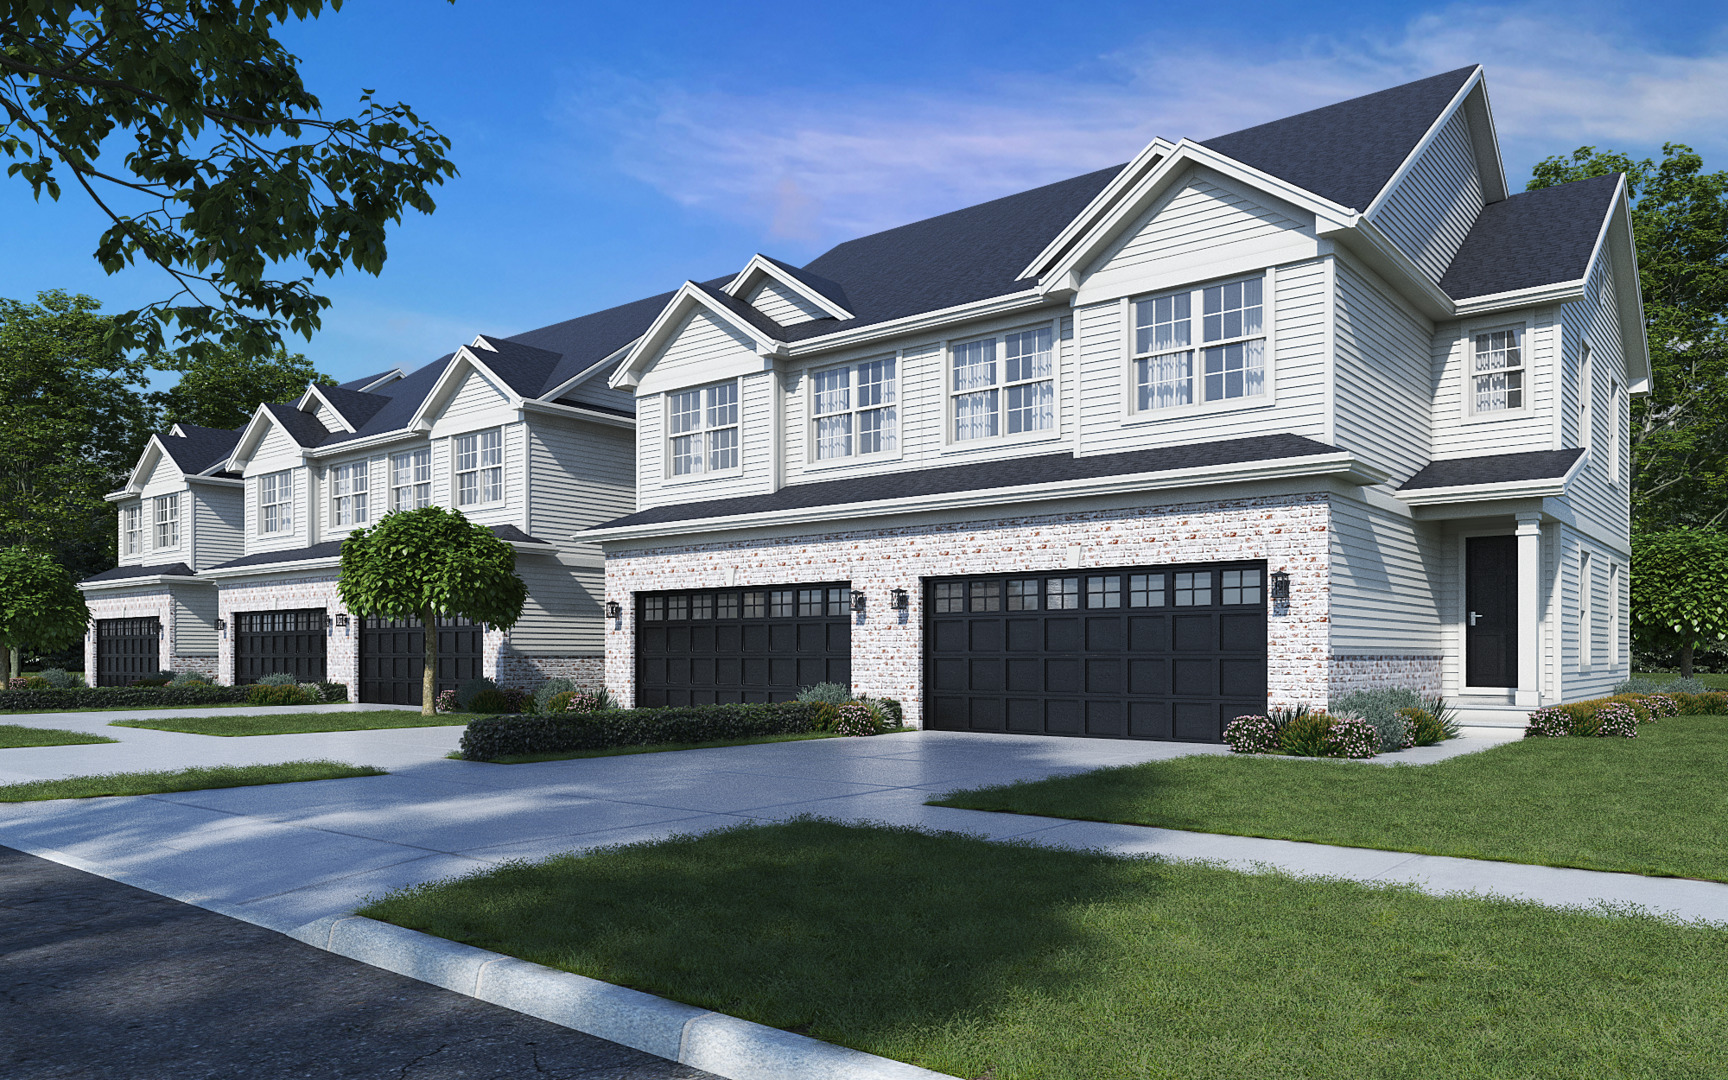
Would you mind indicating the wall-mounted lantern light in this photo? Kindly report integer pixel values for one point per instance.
(328, 622)
(221, 625)
(900, 599)
(342, 620)
(857, 600)
(614, 610)
(1280, 585)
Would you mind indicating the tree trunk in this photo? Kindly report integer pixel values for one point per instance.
(1686, 661)
(429, 677)
(12, 663)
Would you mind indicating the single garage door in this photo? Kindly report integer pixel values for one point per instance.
(393, 658)
(735, 645)
(1135, 653)
(280, 642)
(127, 649)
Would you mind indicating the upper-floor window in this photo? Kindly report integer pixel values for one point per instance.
(348, 494)
(1586, 611)
(1004, 385)
(853, 411)
(168, 521)
(276, 502)
(1586, 395)
(1614, 431)
(480, 468)
(1497, 370)
(702, 430)
(411, 479)
(1232, 346)
(132, 526)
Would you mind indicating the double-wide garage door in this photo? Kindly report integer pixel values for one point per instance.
(127, 649)
(280, 643)
(1135, 653)
(735, 645)
(393, 658)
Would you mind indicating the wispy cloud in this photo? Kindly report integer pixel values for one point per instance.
(816, 168)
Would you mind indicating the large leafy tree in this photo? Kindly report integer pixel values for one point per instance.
(40, 607)
(426, 563)
(1680, 429)
(222, 388)
(75, 422)
(1678, 600)
(231, 173)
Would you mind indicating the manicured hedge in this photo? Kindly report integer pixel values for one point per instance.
(120, 697)
(494, 737)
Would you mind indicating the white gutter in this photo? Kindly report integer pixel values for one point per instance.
(998, 305)
(1334, 464)
(148, 579)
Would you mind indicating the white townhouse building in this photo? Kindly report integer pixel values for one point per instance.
(230, 541)
(1312, 406)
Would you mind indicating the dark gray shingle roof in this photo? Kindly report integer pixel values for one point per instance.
(1533, 238)
(199, 447)
(356, 407)
(1494, 469)
(982, 476)
(357, 384)
(120, 573)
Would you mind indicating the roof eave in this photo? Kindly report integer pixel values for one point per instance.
(216, 573)
(143, 579)
(764, 267)
(1422, 144)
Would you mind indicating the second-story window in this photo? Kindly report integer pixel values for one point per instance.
(1231, 361)
(411, 479)
(132, 522)
(480, 468)
(167, 521)
(853, 411)
(276, 502)
(702, 430)
(1004, 385)
(1497, 370)
(348, 494)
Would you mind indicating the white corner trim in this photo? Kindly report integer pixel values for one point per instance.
(556, 408)
(1491, 303)
(1424, 142)
(1338, 463)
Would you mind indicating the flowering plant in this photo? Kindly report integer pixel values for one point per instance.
(1662, 705)
(583, 701)
(1548, 724)
(445, 701)
(16, 684)
(1251, 734)
(1617, 720)
(854, 719)
(1352, 737)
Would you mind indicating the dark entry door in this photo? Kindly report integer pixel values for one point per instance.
(127, 649)
(1491, 611)
(733, 645)
(280, 642)
(393, 658)
(1138, 653)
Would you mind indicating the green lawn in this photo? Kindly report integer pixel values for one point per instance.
(1011, 962)
(1714, 680)
(1655, 804)
(660, 748)
(12, 735)
(198, 779)
(125, 708)
(297, 723)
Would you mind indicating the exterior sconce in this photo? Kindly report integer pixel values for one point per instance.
(857, 600)
(614, 610)
(221, 625)
(900, 600)
(328, 622)
(1280, 585)
(342, 620)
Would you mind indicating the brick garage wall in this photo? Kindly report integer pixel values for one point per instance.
(1424, 674)
(1290, 532)
(521, 669)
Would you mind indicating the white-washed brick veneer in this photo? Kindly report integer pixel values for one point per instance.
(1424, 674)
(157, 605)
(1290, 532)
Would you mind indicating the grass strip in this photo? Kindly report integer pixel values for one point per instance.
(194, 779)
(125, 708)
(12, 735)
(1012, 962)
(1650, 805)
(297, 723)
(1715, 680)
(661, 748)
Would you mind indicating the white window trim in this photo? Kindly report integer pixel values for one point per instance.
(1467, 370)
(1613, 614)
(456, 472)
(132, 530)
(1058, 372)
(1616, 475)
(288, 527)
(1586, 612)
(811, 463)
(333, 478)
(390, 476)
(1131, 415)
(666, 435)
(157, 521)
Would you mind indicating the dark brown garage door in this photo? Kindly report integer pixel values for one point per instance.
(393, 658)
(127, 649)
(732, 645)
(1134, 653)
(280, 643)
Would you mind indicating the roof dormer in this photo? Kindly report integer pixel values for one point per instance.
(786, 294)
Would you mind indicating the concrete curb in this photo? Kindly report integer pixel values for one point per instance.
(721, 1044)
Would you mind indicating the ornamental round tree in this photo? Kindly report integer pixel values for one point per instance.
(40, 605)
(431, 562)
(1679, 591)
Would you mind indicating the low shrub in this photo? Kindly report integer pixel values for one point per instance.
(333, 692)
(493, 737)
(160, 678)
(824, 716)
(557, 703)
(1305, 735)
(1617, 720)
(1643, 684)
(1619, 716)
(544, 693)
(893, 715)
(188, 678)
(263, 693)
(827, 693)
(120, 697)
(1251, 734)
(1301, 733)
(1706, 703)
(1381, 709)
(468, 691)
(276, 678)
(1353, 737)
(445, 701)
(585, 701)
(35, 682)
(1426, 729)
(61, 679)
(497, 699)
(856, 718)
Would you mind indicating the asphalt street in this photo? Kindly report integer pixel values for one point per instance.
(103, 980)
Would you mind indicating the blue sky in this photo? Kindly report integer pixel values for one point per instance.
(610, 151)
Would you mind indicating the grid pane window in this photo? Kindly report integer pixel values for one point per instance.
(950, 597)
(975, 404)
(853, 410)
(837, 601)
(480, 468)
(134, 529)
(702, 430)
(1023, 595)
(654, 608)
(811, 602)
(1146, 590)
(755, 605)
(411, 479)
(348, 494)
(1499, 370)
(1022, 385)
(678, 607)
(168, 521)
(1062, 594)
(1239, 587)
(1232, 361)
(1164, 374)
(1104, 592)
(726, 606)
(986, 596)
(702, 606)
(780, 604)
(276, 502)
(1194, 589)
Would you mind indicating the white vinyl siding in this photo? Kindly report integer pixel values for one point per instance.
(1383, 395)
(479, 468)
(276, 503)
(467, 407)
(1436, 201)
(1385, 596)
(167, 521)
(411, 479)
(218, 525)
(1458, 430)
(783, 305)
(1003, 385)
(854, 411)
(350, 494)
(194, 614)
(1598, 493)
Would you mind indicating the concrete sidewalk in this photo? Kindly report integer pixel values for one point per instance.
(285, 855)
